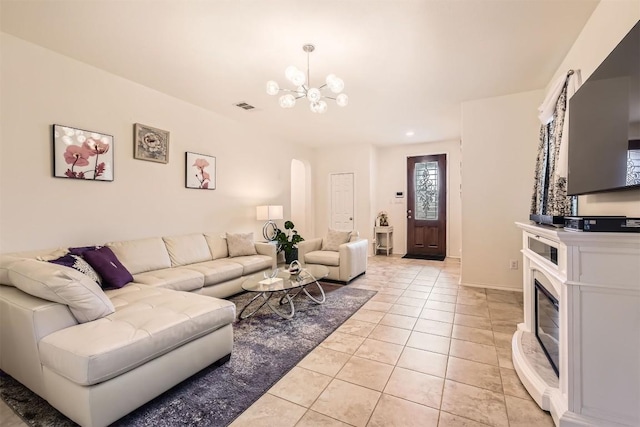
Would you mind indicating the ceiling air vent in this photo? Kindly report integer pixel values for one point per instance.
(244, 106)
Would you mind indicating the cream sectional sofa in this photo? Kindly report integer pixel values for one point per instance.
(97, 355)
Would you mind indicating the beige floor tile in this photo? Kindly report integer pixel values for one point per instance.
(300, 386)
(424, 281)
(365, 372)
(415, 294)
(377, 306)
(512, 385)
(420, 287)
(397, 279)
(415, 386)
(380, 351)
(423, 361)
(429, 342)
(472, 351)
(526, 413)
(439, 315)
(472, 321)
(356, 327)
(444, 291)
(315, 419)
(472, 310)
(391, 291)
(505, 326)
(474, 301)
(450, 420)
(474, 373)
(433, 327)
(405, 310)
(401, 286)
(398, 321)
(384, 298)
(475, 403)
(390, 334)
(502, 296)
(368, 315)
(505, 358)
(502, 340)
(8, 418)
(324, 360)
(480, 336)
(413, 302)
(268, 411)
(347, 402)
(445, 284)
(443, 298)
(442, 306)
(345, 343)
(392, 411)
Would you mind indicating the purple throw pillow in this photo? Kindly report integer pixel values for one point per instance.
(81, 250)
(104, 261)
(78, 263)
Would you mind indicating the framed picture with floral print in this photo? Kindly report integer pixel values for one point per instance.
(82, 154)
(150, 144)
(200, 171)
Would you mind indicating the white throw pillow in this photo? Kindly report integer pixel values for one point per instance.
(241, 244)
(334, 239)
(61, 284)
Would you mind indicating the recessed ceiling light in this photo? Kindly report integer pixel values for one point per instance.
(410, 133)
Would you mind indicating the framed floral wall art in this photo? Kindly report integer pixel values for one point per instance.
(150, 144)
(200, 171)
(82, 154)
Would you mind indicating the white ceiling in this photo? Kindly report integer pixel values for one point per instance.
(407, 64)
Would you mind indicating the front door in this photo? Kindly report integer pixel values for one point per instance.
(342, 201)
(426, 206)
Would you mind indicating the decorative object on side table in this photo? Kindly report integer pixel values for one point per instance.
(269, 213)
(288, 242)
(82, 154)
(383, 219)
(150, 144)
(200, 171)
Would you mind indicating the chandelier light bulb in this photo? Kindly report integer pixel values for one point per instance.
(322, 107)
(290, 71)
(342, 100)
(272, 87)
(314, 95)
(336, 85)
(287, 101)
(298, 78)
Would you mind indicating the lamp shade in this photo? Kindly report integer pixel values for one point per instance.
(267, 213)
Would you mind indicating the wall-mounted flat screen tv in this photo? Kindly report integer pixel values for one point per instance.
(604, 123)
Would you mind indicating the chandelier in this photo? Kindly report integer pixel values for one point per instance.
(315, 95)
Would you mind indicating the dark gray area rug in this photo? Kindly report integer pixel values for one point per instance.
(266, 347)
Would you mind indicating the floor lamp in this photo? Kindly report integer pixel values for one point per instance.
(269, 213)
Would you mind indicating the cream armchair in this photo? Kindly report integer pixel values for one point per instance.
(344, 264)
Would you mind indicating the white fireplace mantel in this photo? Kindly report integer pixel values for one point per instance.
(597, 278)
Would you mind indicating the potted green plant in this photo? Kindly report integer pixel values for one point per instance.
(288, 242)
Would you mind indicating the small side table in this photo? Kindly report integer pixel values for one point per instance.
(384, 239)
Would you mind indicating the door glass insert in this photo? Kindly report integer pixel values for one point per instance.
(426, 186)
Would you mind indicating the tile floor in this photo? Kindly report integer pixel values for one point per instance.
(422, 352)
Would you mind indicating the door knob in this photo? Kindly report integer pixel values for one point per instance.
(350, 218)
(409, 217)
(409, 211)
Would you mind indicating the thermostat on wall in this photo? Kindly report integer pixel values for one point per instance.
(399, 194)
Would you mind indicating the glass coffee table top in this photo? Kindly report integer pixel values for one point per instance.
(284, 287)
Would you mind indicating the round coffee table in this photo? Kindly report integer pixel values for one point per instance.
(284, 286)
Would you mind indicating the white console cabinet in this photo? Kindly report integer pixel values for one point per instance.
(597, 279)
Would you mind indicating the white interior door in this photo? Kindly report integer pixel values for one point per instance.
(342, 201)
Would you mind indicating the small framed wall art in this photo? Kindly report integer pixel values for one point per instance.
(200, 171)
(150, 144)
(82, 154)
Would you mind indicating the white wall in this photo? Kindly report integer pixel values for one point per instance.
(391, 177)
(499, 145)
(40, 87)
(609, 23)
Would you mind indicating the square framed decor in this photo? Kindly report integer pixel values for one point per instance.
(82, 154)
(151, 144)
(200, 171)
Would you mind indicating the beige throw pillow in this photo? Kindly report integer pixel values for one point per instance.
(241, 244)
(334, 239)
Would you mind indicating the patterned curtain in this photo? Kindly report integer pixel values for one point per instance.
(550, 186)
